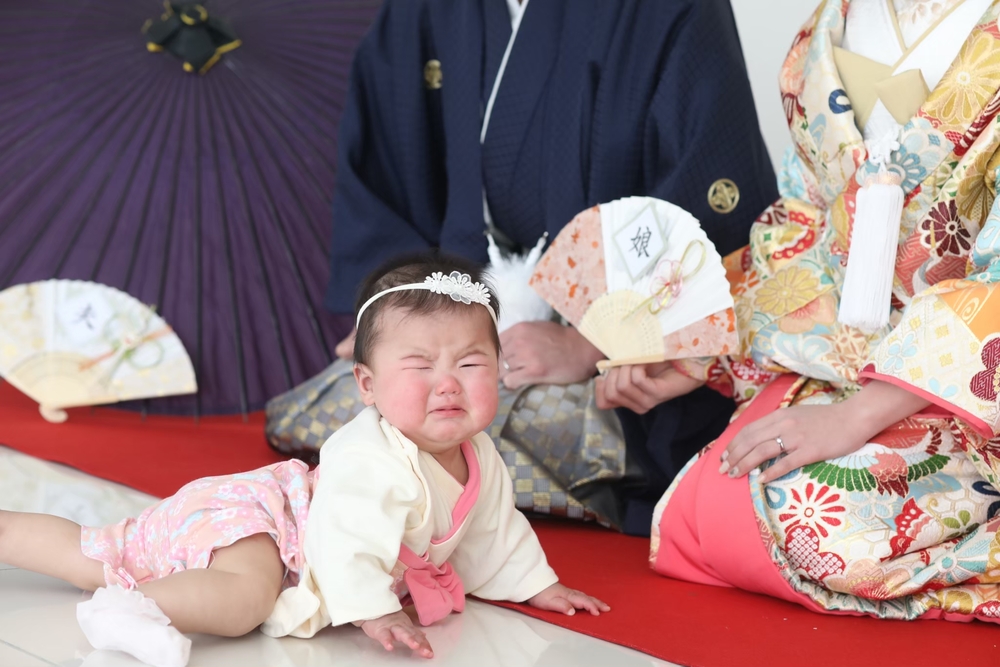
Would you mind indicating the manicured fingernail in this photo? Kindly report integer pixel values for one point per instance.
(734, 472)
(571, 612)
(725, 455)
(723, 468)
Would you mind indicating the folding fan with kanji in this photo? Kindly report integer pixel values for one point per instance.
(67, 343)
(641, 280)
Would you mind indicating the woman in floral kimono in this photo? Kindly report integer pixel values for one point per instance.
(860, 473)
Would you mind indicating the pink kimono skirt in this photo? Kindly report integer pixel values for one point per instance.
(181, 532)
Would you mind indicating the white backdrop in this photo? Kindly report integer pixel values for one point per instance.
(767, 28)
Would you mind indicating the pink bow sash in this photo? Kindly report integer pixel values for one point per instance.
(436, 591)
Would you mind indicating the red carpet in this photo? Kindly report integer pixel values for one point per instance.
(692, 624)
(676, 621)
(157, 455)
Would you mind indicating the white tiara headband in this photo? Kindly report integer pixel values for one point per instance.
(458, 286)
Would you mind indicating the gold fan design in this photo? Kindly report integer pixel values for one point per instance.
(620, 327)
(68, 343)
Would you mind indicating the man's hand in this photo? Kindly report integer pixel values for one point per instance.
(642, 387)
(345, 348)
(546, 353)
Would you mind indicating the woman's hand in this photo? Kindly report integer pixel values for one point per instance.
(811, 433)
(546, 352)
(345, 348)
(642, 387)
(559, 598)
(398, 627)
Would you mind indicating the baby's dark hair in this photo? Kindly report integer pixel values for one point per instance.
(404, 270)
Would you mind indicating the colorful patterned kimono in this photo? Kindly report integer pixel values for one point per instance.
(907, 526)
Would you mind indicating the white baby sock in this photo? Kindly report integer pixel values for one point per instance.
(128, 621)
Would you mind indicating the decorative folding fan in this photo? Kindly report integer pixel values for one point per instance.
(67, 343)
(640, 279)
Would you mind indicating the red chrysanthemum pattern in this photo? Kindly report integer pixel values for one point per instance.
(986, 384)
(817, 506)
(943, 232)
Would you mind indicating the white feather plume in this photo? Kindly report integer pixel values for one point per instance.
(510, 276)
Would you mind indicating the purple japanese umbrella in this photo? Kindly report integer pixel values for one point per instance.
(207, 195)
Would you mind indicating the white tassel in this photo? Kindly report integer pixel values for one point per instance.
(871, 261)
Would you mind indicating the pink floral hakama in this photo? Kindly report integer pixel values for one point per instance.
(181, 532)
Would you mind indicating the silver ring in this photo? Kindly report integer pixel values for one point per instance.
(781, 444)
(506, 366)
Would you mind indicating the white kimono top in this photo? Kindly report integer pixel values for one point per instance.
(386, 520)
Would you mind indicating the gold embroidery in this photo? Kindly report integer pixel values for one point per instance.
(956, 601)
(946, 359)
(723, 196)
(969, 84)
(433, 75)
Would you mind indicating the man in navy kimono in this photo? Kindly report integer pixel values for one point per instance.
(519, 115)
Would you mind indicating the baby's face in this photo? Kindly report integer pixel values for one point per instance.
(434, 377)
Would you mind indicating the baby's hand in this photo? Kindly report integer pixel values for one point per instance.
(398, 627)
(559, 598)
